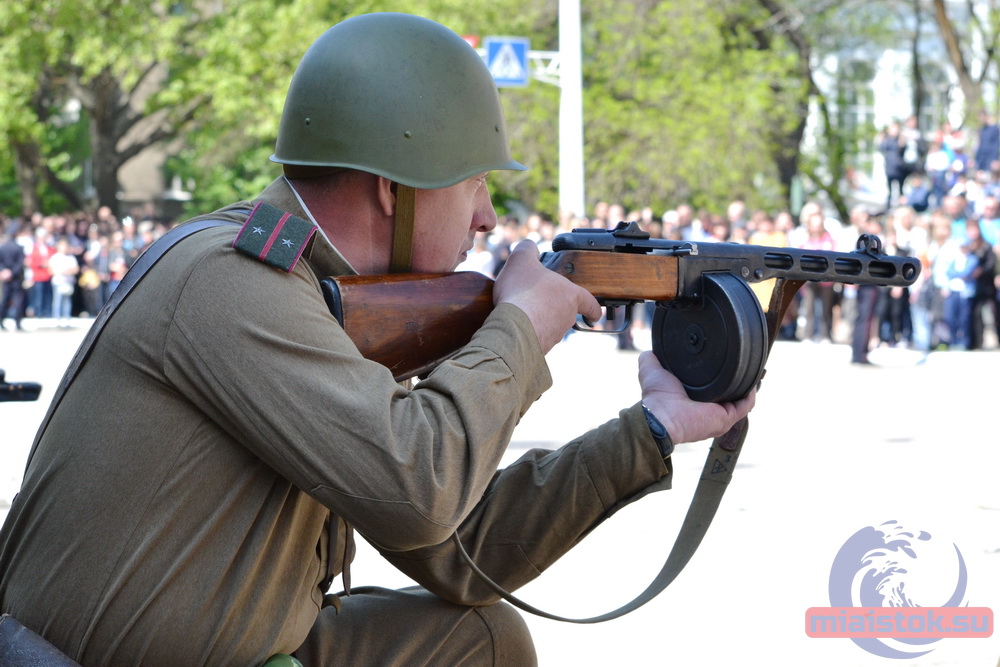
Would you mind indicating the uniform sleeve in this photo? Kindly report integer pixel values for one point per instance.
(539, 507)
(258, 351)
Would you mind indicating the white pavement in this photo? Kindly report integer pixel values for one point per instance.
(832, 448)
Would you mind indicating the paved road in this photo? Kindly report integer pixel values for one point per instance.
(833, 448)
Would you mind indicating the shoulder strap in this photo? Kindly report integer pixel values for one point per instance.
(132, 277)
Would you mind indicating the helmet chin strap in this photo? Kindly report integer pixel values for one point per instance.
(402, 234)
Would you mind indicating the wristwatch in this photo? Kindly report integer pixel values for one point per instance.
(660, 435)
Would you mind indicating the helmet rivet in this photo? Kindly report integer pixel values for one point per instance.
(496, 127)
(407, 134)
(308, 121)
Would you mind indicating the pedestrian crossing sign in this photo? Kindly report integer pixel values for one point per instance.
(507, 60)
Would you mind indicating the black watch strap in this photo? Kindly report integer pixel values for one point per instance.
(659, 432)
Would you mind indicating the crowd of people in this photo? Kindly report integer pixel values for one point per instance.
(953, 304)
(64, 266)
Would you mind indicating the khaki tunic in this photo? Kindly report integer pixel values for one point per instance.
(176, 509)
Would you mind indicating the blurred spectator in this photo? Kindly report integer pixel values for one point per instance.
(736, 214)
(989, 222)
(959, 168)
(616, 214)
(546, 232)
(817, 297)
(94, 271)
(600, 218)
(65, 268)
(131, 244)
(894, 325)
(12, 277)
(510, 234)
(891, 145)
(918, 196)
(767, 234)
(719, 232)
(914, 148)
(988, 149)
(954, 207)
(690, 227)
(922, 296)
(40, 295)
(938, 167)
(116, 263)
(959, 265)
(984, 292)
(937, 258)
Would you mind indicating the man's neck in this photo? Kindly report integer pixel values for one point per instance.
(342, 207)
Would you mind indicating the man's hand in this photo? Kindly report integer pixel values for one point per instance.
(686, 420)
(549, 300)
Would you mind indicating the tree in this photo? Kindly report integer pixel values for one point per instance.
(809, 32)
(701, 103)
(142, 74)
(972, 46)
(225, 156)
(675, 104)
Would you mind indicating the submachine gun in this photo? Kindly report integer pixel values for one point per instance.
(709, 328)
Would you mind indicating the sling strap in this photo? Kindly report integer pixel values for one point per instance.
(136, 273)
(402, 231)
(21, 647)
(715, 477)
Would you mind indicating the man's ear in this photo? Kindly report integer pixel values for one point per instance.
(386, 194)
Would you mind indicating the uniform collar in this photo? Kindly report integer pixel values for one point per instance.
(325, 259)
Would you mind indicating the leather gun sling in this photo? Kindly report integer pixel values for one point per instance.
(715, 476)
(132, 277)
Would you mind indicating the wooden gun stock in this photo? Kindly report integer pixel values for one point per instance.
(410, 323)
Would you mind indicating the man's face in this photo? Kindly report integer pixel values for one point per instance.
(990, 208)
(953, 206)
(446, 223)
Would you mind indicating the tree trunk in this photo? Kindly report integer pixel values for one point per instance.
(27, 167)
(972, 89)
(788, 143)
(917, 72)
(105, 106)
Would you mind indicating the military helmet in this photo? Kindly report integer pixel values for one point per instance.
(396, 95)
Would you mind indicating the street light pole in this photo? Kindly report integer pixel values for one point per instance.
(571, 171)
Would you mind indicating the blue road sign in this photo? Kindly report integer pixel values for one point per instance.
(507, 59)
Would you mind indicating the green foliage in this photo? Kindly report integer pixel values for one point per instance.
(682, 101)
(677, 102)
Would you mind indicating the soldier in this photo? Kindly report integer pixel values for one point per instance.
(198, 486)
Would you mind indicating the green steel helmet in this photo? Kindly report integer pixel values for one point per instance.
(395, 95)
